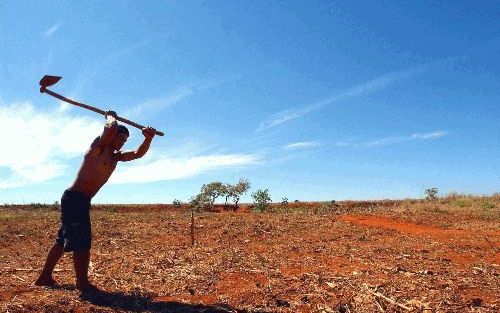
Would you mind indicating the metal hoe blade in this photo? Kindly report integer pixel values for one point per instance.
(47, 81)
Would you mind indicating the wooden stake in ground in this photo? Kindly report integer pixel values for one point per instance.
(192, 228)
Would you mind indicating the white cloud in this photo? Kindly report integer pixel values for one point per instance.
(302, 145)
(51, 30)
(432, 135)
(393, 140)
(154, 105)
(361, 89)
(37, 145)
(159, 103)
(172, 169)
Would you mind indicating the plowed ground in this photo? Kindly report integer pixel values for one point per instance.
(383, 259)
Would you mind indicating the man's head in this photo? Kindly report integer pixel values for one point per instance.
(122, 129)
(120, 137)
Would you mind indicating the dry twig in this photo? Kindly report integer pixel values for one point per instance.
(378, 294)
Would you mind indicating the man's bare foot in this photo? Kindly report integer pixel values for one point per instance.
(86, 287)
(45, 281)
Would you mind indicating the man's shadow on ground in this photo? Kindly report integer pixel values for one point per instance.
(143, 303)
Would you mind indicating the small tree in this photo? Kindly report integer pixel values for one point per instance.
(431, 193)
(212, 191)
(239, 189)
(177, 203)
(227, 191)
(199, 202)
(261, 200)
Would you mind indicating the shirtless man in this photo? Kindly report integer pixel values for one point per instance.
(98, 164)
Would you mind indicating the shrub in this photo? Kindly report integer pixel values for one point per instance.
(488, 205)
(199, 202)
(177, 203)
(431, 193)
(324, 207)
(284, 201)
(261, 200)
(461, 203)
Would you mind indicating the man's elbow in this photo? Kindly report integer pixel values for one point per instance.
(140, 154)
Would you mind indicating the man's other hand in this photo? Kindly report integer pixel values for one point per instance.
(149, 132)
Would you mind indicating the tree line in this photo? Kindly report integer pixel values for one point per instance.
(209, 193)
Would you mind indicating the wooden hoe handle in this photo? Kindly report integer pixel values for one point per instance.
(91, 108)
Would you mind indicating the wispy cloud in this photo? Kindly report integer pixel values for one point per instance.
(88, 74)
(156, 104)
(358, 90)
(302, 145)
(180, 93)
(51, 30)
(41, 144)
(173, 169)
(120, 53)
(432, 135)
(393, 140)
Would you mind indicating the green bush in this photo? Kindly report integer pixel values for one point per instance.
(324, 208)
(488, 205)
(461, 203)
(199, 202)
(431, 193)
(261, 200)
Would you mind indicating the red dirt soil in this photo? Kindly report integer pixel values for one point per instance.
(249, 262)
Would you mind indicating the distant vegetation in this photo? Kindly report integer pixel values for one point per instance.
(261, 200)
(431, 193)
(209, 193)
(217, 196)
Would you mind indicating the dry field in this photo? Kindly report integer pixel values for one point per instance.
(385, 256)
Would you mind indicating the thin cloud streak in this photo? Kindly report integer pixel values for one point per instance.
(88, 74)
(179, 94)
(394, 140)
(432, 135)
(358, 90)
(302, 145)
(51, 30)
(154, 105)
(165, 169)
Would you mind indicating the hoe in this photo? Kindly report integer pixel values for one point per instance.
(48, 80)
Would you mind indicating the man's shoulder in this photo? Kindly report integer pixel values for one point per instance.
(95, 149)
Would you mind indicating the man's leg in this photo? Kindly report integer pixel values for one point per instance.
(81, 261)
(45, 278)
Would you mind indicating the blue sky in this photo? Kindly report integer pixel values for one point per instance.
(314, 100)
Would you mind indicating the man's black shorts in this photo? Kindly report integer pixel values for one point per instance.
(75, 233)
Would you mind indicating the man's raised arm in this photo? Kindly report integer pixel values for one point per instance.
(149, 133)
(109, 131)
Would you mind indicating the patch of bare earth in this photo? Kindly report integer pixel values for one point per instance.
(250, 262)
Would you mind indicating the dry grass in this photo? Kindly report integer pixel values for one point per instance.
(370, 256)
